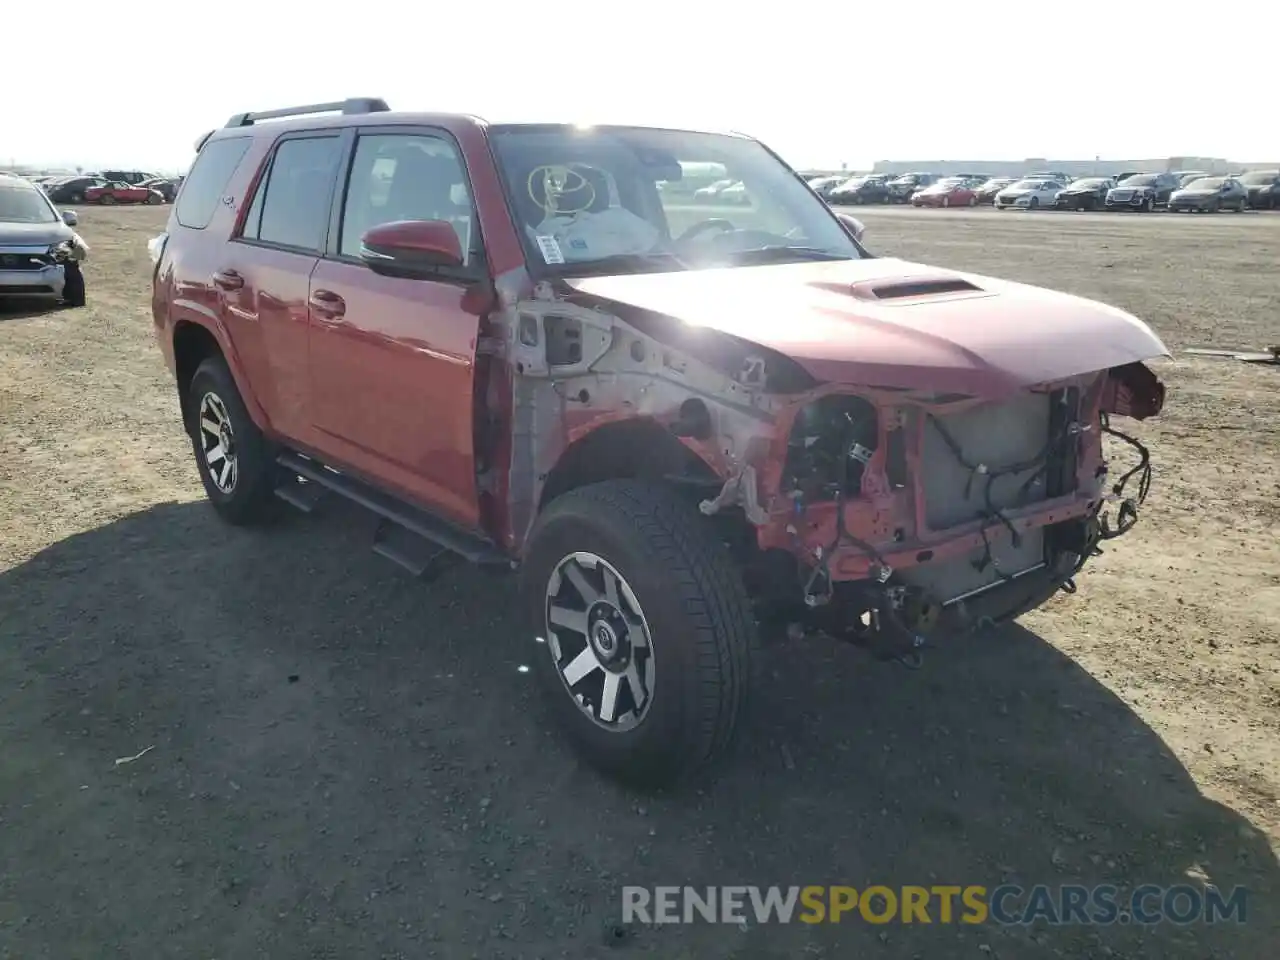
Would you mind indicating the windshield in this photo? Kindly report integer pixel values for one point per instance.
(1028, 185)
(1206, 183)
(588, 199)
(1140, 180)
(1089, 183)
(1256, 178)
(24, 204)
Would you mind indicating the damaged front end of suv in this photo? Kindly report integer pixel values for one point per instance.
(883, 511)
(702, 427)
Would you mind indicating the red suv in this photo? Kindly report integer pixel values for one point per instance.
(528, 346)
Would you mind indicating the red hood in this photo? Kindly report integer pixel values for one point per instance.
(890, 323)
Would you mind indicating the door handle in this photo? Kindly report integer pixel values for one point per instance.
(228, 280)
(328, 304)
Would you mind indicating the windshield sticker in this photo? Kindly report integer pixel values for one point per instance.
(550, 249)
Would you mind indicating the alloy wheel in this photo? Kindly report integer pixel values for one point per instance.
(599, 641)
(218, 443)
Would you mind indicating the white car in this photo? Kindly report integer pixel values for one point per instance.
(1029, 194)
(712, 191)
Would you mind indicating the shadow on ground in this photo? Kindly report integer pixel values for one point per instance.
(345, 762)
(14, 309)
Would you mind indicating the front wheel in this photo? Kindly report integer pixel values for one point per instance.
(1035, 202)
(236, 462)
(73, 294)
(107, 198)
(643, 628)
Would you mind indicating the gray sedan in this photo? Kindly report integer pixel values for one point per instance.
(1209, 195)
(39, 252)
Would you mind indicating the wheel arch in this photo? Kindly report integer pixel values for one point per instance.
(193, 343)
(632, 448)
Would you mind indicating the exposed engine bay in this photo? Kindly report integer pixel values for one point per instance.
(971, 550)
(830, 446)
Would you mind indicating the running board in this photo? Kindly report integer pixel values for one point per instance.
(394, 511)
(300, 493)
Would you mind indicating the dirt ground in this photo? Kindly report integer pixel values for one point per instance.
(343, 762)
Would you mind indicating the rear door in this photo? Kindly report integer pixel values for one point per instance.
(393, 359)
(264, 275)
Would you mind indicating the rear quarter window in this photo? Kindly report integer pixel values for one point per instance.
(208, 180)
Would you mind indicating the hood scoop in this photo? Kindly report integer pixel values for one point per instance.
(906, 288)
(903, 289)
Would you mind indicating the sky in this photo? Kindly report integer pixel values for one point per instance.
(823, 84)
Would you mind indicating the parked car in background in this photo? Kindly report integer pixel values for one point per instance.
(823, 186)
(1142, 191)
(986, 192)
(120, 192)
(1087, 193)
(1187, 176)
(70, 189)
(131, 177)
(947, 192)
(902, 188)
(1209, 195)
(39, 252)
(163, 186)
(872, 188)
(734, 194)
(1029, 194)
(711, 191)
(1263, 187)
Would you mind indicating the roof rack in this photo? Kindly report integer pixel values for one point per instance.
(352, 105)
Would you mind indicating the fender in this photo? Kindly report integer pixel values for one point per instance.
(198, 316)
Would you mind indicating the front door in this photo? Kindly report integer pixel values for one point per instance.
(392, 360)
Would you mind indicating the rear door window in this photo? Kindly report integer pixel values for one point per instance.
(291, 206)
(208, 179)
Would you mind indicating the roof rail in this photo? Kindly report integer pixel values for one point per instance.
(352, 105)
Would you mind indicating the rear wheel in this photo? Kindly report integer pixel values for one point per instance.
(1035, 202)
(154, 198)
(644, 629)
(108, 198)
(236, 462)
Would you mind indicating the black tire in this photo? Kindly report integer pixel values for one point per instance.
(699, 621)
(76, 197)
(1035, 202)
(250, 496)
(107, 198)
(73, 294)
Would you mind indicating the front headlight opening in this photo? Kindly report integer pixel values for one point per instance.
(60, 251)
